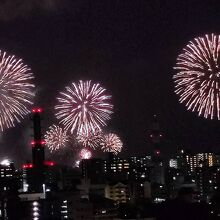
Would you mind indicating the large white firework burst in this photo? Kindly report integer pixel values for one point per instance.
(111, 143)
(56, 138)
(84, 106)
(90, 139)
(16, 90)
(198, 76)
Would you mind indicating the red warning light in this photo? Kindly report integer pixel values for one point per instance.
(26, 166)
(38, 110)
(49, 163)
(42, 142)
(33, 142)
(157, 152)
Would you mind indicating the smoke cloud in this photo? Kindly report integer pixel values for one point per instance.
(11, 9)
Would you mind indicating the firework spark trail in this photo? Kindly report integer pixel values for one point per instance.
(111, 143)
(56, 138)
(90, 139)
(198, 76)
(83, 107)
(16, 90)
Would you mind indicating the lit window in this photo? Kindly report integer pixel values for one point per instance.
(35, 214)
(35, 203)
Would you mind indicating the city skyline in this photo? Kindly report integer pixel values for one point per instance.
(130, 48)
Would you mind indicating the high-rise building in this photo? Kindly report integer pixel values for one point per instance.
(217, 159)
(199, 160)
(182, 162)
(103, 208)
(185, 160)
(9, 185)
(135, 168)
(140, 168)
(117, 168)
(69, 177)
(8, 177)
(207, 180)
(197, 169)
(118, 165)
(61, 205)
(139, 191)
(173, 163)
(118, 192)
(174, 179)
(93, 169)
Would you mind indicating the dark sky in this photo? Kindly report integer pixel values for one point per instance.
(129, 47)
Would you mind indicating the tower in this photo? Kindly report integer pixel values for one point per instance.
(37, 143)
(157, 171)
(38, 163)
(155, 135)
(40, 173)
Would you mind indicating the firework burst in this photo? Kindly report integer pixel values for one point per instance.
(198, 76)
(85, 154)
(83, 107)
(90, 139)
(16, 90)
(55, 138)
(111, 143)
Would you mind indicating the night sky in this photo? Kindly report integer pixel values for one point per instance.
(129, 47)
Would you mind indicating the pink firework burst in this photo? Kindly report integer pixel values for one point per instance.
(90, 139)
(198, 76)
(56, 138)
(85, 154)
(111, 143)
(84, 106)
(16, 90)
